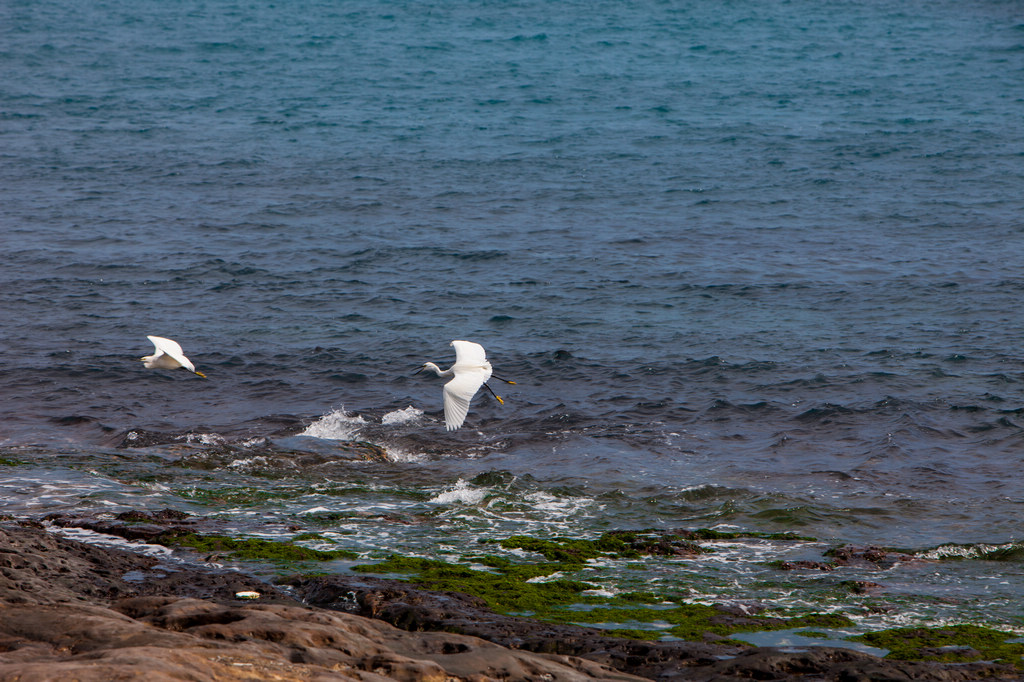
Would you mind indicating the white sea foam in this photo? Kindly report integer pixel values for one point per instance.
(204, 438)
(561, 506)
(396, 454)
(340, 425)
(250, 463)
(337, 425)
(461, 493)
(966, 551)
(409, 414)
(103, 540)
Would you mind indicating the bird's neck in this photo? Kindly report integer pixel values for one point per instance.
(438, 371)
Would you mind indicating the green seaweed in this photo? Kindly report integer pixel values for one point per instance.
(613, 544)
(302, 537)
(952, 644)
(508, 585)
(560, 550)
(504, 590)
(708, 534)
(251, 548)
(633, 544)
(235, 495)
(640, 597)
(694, 621)
(632, 633)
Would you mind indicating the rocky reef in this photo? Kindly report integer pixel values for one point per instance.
(79, 611)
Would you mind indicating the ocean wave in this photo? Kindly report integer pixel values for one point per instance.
(462, 492)
(336, 425)
(408, 415)
(1011, 551)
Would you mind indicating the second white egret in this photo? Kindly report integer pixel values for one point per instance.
(168, 355)
(470, 371)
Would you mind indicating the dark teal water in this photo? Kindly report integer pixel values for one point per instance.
(753, 265)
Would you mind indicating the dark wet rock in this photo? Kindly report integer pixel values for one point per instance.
(136, 525)
(868, 557)
(141, 438)
(661, 544)
(163, 516)
(832, 664)
(806, 565)
(861, 586)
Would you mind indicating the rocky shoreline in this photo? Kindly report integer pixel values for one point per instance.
(78, 611)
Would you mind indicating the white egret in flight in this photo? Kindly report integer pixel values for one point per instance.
(168, 355)
(470, 371)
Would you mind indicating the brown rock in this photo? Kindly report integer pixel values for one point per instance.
(67, 612)
(70, 611)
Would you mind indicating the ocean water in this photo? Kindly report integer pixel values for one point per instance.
(754, 266)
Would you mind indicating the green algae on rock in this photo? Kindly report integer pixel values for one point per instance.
(952, 644)
(505, 590)
(256, 549)
(619, 544)
(695, 622)
(516, 586)
(510, 589)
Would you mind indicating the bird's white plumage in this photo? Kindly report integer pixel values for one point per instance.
(470, 371)
(469, 354)
(168, 355)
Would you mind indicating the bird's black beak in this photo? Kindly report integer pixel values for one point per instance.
(419, 370)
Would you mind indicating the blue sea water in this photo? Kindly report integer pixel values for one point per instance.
(752, 266)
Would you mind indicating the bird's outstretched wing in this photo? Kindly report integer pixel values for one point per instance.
(172, 349)
(457, 394)
(469, 353)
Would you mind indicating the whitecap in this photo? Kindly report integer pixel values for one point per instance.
(409, 414)
(979, 551)
(249, 463)
(550, 578)
(561, 507)
(462, 493)
(204, 438)
(397, 454)
(337, 425)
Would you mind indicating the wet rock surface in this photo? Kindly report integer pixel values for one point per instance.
(409, 608)
(74, 611)
(77, 611)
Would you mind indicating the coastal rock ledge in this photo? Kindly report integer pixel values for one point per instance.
(75, 611)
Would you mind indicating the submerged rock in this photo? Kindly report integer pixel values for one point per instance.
(870, 557)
